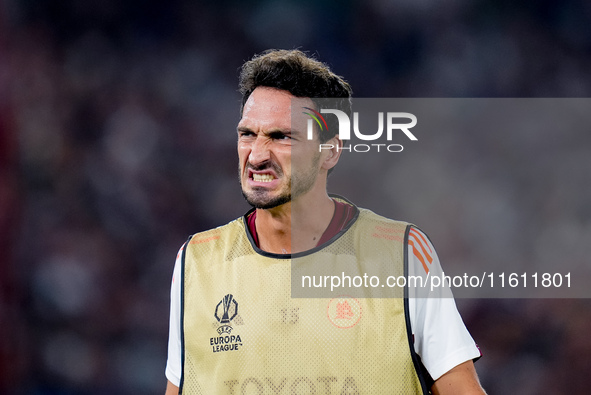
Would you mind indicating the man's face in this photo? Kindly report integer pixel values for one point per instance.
(271, 144)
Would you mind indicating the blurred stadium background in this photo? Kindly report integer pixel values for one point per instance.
(117, 141)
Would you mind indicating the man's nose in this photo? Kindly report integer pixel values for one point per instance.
(260, 151)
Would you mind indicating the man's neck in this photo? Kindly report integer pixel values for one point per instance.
(295, 226)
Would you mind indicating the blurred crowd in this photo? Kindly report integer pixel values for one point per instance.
(117, 141)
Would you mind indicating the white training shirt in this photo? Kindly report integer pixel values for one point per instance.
(440, 336)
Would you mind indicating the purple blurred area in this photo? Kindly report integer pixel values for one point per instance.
(117, 141)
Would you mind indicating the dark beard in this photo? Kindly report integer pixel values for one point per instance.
(300, 186)
(256, 202)
(257, 199)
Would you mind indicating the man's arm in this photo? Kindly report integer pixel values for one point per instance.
(461, 380)
(171, 389)
(173, 363)
(440, 337)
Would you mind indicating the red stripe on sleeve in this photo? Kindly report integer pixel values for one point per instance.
(418, 255)
(425, 253)
(416, 232)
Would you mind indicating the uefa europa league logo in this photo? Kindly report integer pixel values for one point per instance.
(230, 309)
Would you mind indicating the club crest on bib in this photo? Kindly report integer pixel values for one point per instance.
(225, 312)
(344, 312)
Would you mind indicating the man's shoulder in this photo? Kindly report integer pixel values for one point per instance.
(370, 217)
(373, 227)
(219, 233)
(367, 215)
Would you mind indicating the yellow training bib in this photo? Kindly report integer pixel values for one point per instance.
(243, 333)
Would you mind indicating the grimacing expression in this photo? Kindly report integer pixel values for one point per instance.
(270, 146)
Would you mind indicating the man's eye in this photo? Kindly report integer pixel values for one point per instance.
(245, 134)
(280, 136)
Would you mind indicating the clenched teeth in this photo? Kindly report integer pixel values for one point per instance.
(263, 177)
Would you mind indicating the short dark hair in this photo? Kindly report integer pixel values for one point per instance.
(299, 74)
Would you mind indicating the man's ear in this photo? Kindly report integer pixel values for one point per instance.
(331, 152)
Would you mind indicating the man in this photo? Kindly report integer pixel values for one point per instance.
(234, 327)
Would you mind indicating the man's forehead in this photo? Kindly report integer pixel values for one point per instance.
(271, 104)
